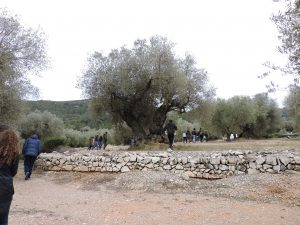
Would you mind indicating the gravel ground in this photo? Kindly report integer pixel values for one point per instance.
(281, 188)
(151, 197)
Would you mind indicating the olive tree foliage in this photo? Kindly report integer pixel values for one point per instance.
(141, 85)
(202, 115)
(233, 115)
(44, 124)
(267, 117)
(292, 103)
(257, 117)
(288, 25)
(22, 51)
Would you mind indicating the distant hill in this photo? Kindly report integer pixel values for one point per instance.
(75, 114)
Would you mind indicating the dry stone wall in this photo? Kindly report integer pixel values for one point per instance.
(193, 164)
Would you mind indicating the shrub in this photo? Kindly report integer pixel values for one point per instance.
(288, 126)
(52, 143)
(44, 124)
(74, 138)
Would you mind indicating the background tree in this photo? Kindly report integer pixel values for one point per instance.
(267, 116)
(22, 51)
(292, 103)
(201, 116)
(141, 85)
(233, 116)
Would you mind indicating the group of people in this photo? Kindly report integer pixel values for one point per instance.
(194, 136)
(187, 136)
(9, 161)
(98, 141)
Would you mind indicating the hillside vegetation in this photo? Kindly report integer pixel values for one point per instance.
(75, 114)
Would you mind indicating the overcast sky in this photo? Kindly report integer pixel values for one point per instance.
(231, 39)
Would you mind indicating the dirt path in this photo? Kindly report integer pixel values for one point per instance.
(74, 198)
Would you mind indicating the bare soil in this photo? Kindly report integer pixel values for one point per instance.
(142, 198)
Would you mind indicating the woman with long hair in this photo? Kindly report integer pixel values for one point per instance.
(9, 160)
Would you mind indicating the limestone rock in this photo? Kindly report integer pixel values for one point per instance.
(276, 168)
(223, 167)
(81, 169)
(184, 160)
(125, 169)
(297, 160)
(284, 160)
(179, 167)
(132, 158)
(252, 171)
(232, 160)
(215, 161)
(150, 166)
(155, 159)
(167, 167)
(271, 160)
(190, 174)
(260, 160)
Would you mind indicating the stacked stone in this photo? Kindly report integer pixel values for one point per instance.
(193, 164)
(273, 164)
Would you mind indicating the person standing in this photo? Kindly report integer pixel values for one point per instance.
(188, 135)
(201, 135)
(31, 150)
(100, 142)
(184, 139)
(205, 136)
(194, 135)
(170, 129)
(9, 161)
(97, 142)
(104, 139)
(91, 143)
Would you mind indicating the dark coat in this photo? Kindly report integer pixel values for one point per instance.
(7, 172)
(170, 128)
(32, 146)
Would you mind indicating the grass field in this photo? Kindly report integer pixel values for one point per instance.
(240, 144)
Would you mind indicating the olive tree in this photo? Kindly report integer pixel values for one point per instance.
(141, 85)
(235, 115)
(256, 117)
(292, 101)
(267, 116)
(22, 51)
